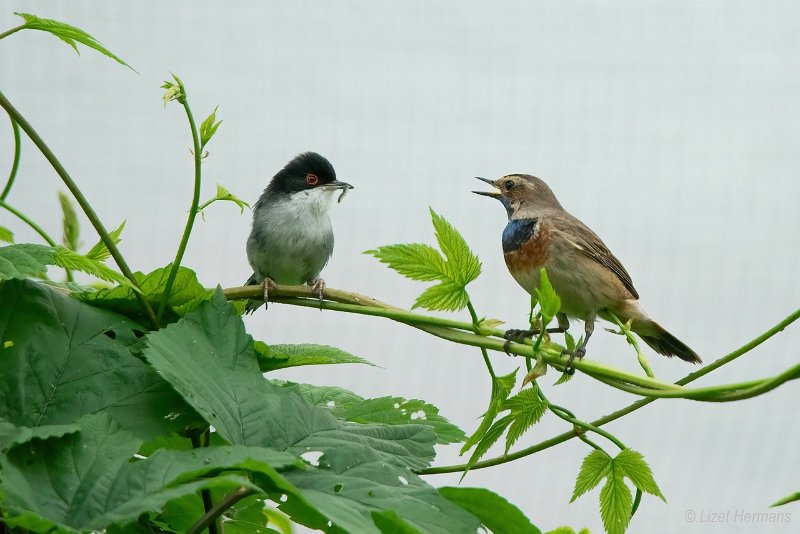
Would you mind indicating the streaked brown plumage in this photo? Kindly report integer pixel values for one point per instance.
(590, 280)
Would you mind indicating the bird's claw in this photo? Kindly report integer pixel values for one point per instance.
(267, 284)
(318, 286)
(517, 336)
(579, 353)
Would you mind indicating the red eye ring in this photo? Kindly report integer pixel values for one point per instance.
(312, 179)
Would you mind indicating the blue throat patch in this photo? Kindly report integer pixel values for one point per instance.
(517, 233)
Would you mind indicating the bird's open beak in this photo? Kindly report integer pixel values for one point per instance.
(336, 184)
(493, 194)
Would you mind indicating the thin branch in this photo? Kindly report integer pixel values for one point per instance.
(84, 204)
(475, 324)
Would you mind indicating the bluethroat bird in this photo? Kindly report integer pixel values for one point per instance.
(292, 237)
(584, 273)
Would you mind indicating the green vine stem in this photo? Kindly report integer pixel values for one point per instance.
(15, 162)
(212, 515)
(622, 412)
(353, 303)
(476, 326)
(82, 202)
(12, 31)
(187, 231)
(24, 218)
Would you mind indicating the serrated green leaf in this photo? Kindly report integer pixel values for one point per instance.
(444, 296)
(549, 301)
(24, 260)
(226, 196)
(68, 34)
(68, 259)
(563, 379)
(100, 252)
(789, 498)
(71, 233)
(570, 341)
(595, 467)
(616, 503)
(495, 512)
(501, 388)
(526, 409)
(6, 235)
(463, 265)
(208, 128)
(172, 92)
(487, 440)
(416, 261)
(271, 357)
(633, 465)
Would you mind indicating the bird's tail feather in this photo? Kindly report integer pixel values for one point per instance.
(665, 343)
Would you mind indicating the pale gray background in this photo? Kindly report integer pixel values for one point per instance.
(671, 128)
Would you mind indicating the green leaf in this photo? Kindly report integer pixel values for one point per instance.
(68, 34)
(789, 498)
(549, 302)
(616, 503)
(6, 235)
(414, 260)
(224, 195)
(445, 296)
(348, 406)
(595, 467)
(496, 513)
(635, 468)
(187, 293)
(173, 91)
(463, 265)
(24, 260)
(68, 359)
(271, 357)
(100, 252)
(526, 410)
(563, 379)
(87, 480)
(488, 439)
(70, 223)
(207, 130)
(390, 522)
(69, 259)
(501, 388)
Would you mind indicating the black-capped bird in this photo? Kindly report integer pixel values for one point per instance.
(584, 273)
(292, 237)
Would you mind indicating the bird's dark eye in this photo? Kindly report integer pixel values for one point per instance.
(312, 179)
(509, 185)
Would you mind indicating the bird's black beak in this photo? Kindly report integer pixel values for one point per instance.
(492, 194)
(336, 184)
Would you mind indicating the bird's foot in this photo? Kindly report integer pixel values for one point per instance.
(579, 353)
(318, 286)
(517, 336)
(266, 285)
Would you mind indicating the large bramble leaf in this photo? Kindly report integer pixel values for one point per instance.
(209, 359)
(86, 480)
(69, 34)
(496, 513)
(348, 406)
(63, 359)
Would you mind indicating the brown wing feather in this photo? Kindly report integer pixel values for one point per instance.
(592, 246)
